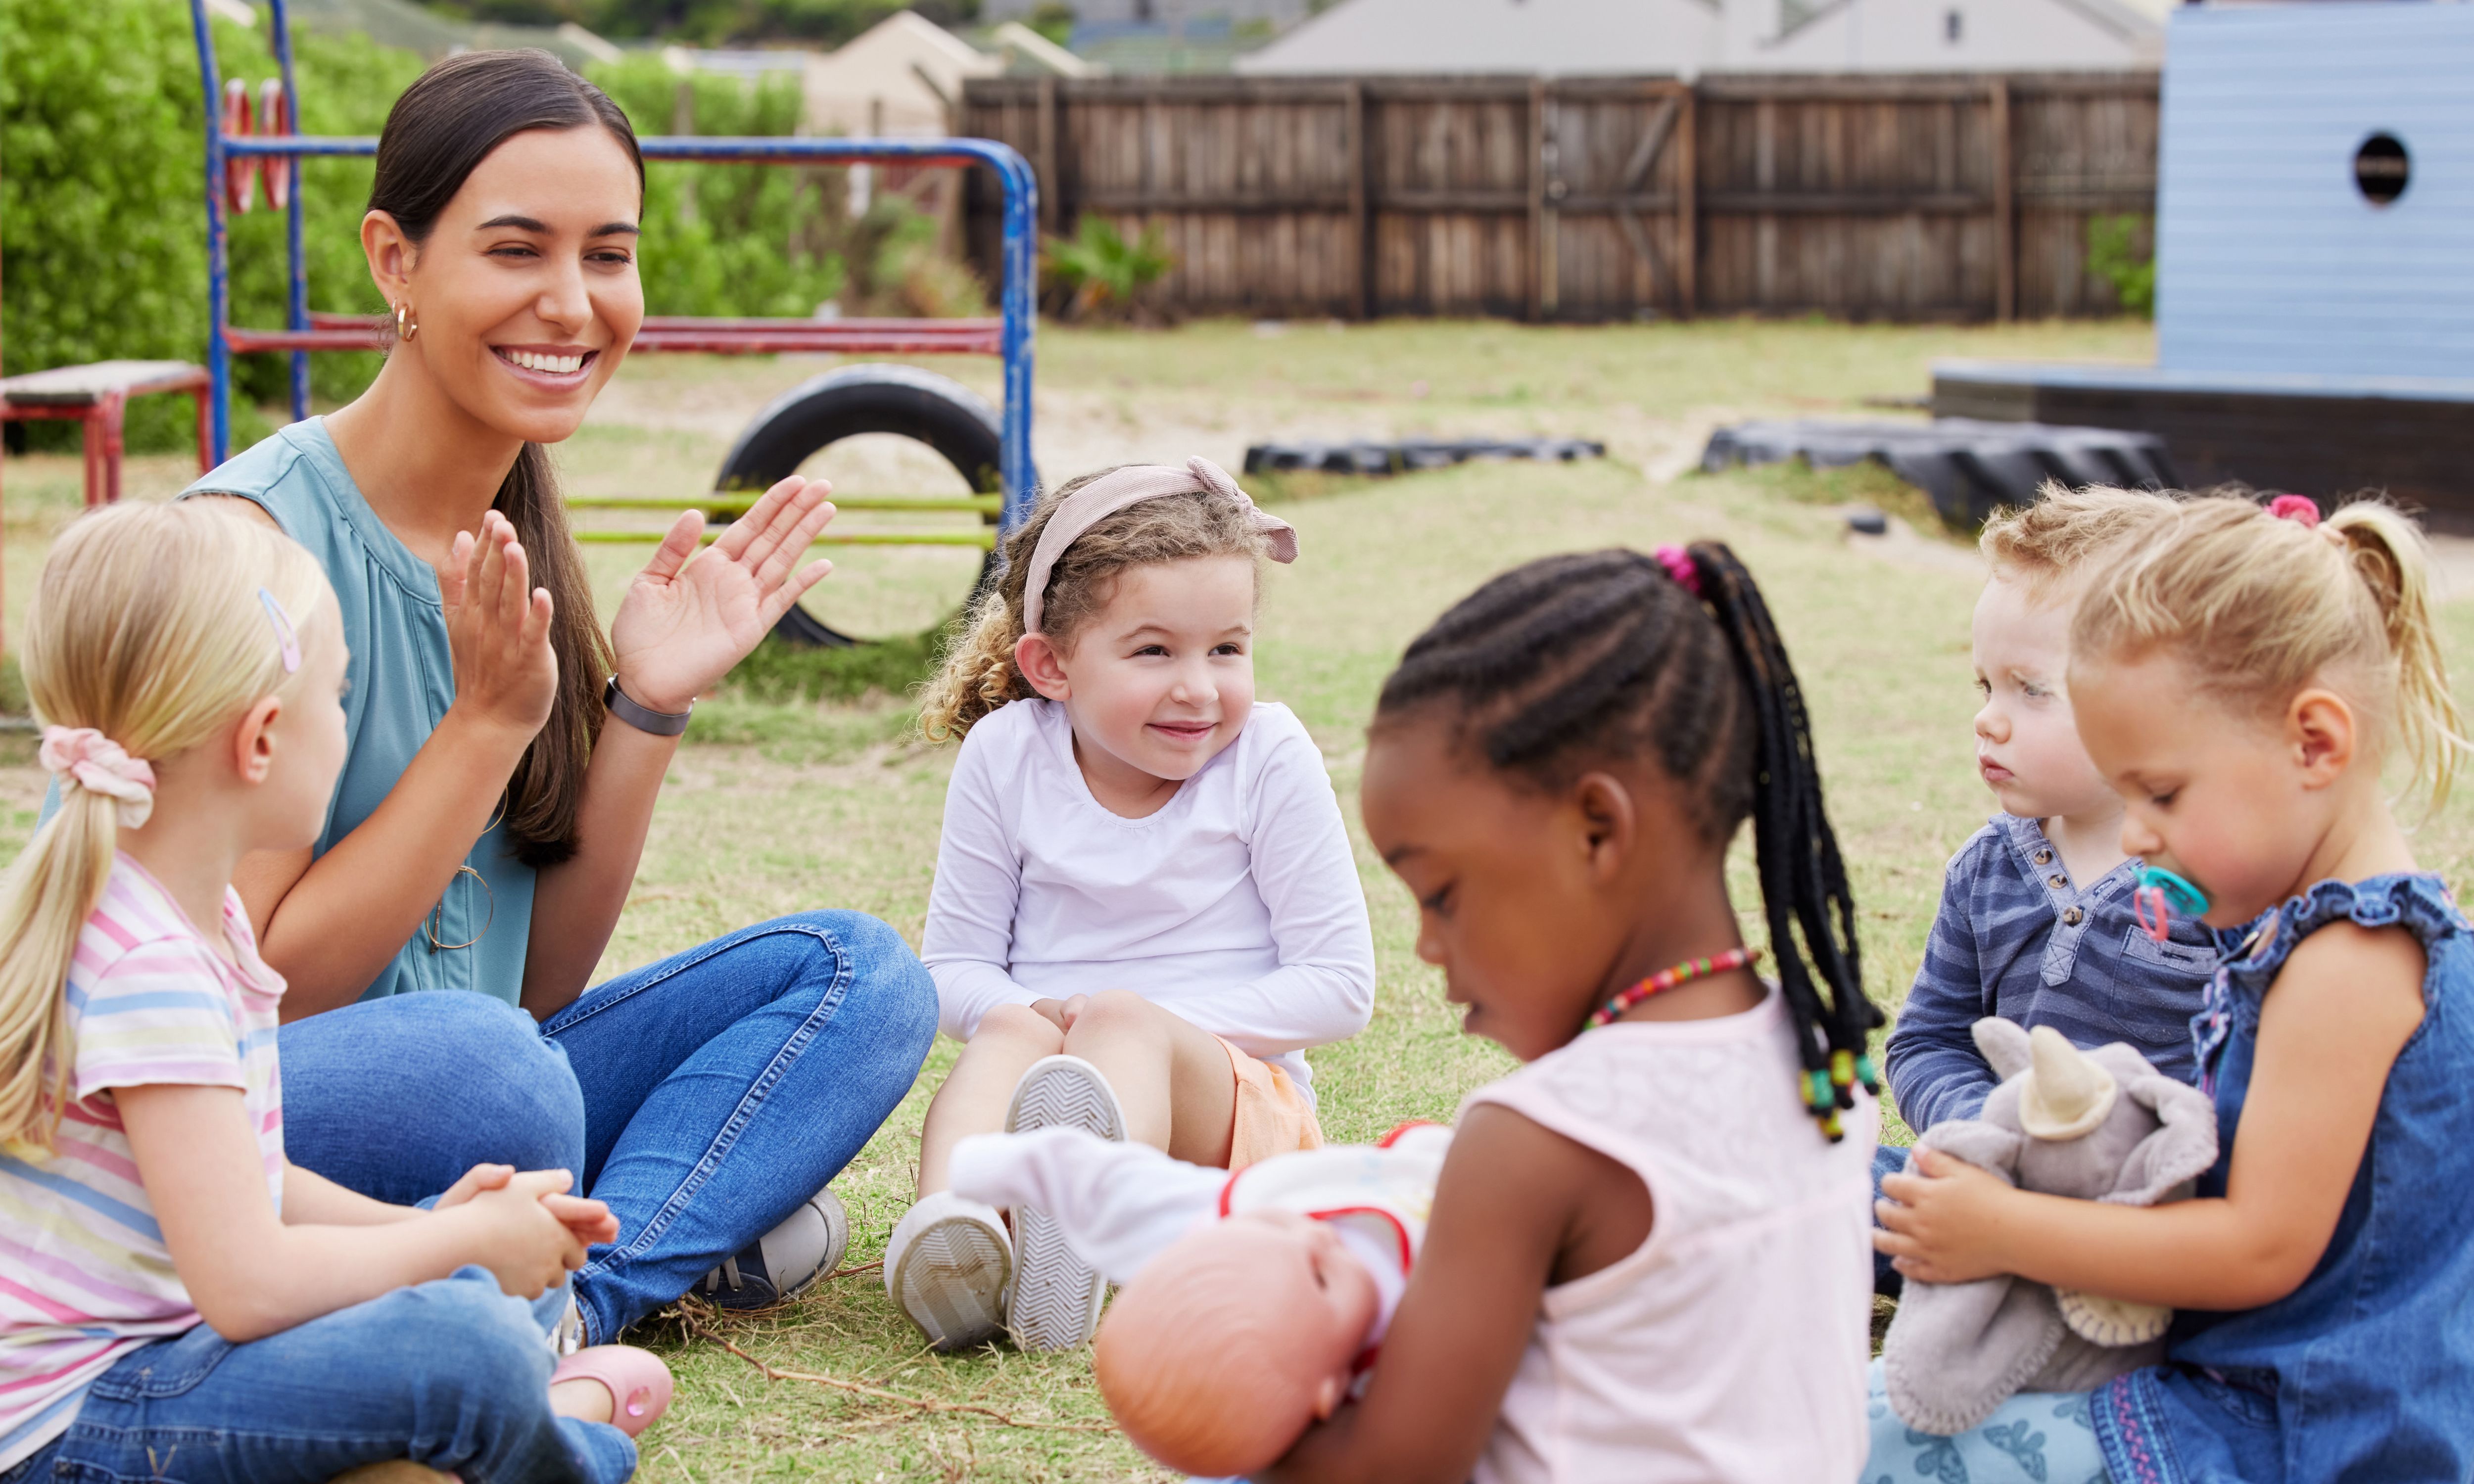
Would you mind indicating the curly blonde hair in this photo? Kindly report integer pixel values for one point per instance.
(2262, 607)
(2047, 544)
(979, 674)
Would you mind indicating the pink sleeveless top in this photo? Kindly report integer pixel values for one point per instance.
(1731, 1344)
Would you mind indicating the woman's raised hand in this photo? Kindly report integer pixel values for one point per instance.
(688, 617)
(497, 630)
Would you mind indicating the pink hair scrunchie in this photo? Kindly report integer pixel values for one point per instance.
(1679, 565)
(87, 758)
(2300, 508)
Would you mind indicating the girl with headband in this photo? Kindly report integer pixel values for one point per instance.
(175, 1287)
(1146, 906)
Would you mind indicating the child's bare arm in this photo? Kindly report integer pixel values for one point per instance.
(1518, 1208)
(251, 1275)
(2343, 1007)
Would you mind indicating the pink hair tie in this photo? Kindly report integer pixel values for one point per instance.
(2298, 508)
(1679, 565)
(86, 759)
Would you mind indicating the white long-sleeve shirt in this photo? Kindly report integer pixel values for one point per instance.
(1236, 904)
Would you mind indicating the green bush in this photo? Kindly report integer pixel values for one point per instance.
(2114, 255)
(103, 200)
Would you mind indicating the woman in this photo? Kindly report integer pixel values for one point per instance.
(505, 753)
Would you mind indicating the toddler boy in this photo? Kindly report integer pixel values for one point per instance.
(2036, 924)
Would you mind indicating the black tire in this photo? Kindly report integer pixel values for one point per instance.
(944, 414)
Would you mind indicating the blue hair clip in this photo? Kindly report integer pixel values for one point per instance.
(2158, 894)
(287, 643)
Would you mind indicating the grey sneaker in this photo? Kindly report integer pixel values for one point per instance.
(1057, 1295)
(946, 1267)
(785, 1261)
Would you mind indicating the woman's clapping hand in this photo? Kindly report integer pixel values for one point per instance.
(688, 617)
(497, 630)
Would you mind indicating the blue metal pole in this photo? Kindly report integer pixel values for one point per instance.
(1017, 307)
(218, 281)
(297, 302)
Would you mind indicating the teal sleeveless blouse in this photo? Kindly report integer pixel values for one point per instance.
(401, 681)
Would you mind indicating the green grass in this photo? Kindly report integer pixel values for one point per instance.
(792, 796)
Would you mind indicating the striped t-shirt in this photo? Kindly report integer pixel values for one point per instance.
(85, 1276)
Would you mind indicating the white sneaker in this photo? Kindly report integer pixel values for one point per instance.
(785, 1261)
(946, 1266)
(1057, 1295)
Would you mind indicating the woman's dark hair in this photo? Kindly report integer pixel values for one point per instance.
(444, 125)
(1604, 655)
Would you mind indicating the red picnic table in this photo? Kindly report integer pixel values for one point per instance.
(98, 396)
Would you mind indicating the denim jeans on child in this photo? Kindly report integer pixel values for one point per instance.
(721, 1088)
(451, 1374)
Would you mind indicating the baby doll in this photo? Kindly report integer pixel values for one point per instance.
(2102, 1125)
(1252, 1302)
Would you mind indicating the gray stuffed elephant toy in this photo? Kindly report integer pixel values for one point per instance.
(2100, 1125)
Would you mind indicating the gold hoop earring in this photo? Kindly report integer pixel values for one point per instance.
(405, 325)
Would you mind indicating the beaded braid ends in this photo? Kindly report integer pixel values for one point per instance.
(1670, 658)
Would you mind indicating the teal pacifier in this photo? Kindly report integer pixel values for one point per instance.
(2158, 894)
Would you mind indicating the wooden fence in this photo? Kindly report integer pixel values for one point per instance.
(1908, 198)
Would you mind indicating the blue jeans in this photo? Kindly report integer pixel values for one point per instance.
(703, 1097)
(1887, 1160)
(451, 1374)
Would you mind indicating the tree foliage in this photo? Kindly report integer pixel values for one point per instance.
(715, 22)
(102, 200)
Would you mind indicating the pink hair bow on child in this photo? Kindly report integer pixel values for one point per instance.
(86, 759)
(1132, 484)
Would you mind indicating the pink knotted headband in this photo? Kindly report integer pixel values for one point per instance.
(82, 758)
(1132, 484)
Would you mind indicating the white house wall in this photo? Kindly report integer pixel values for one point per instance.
(1543, 37)
(2269, 257)
(1989, 36)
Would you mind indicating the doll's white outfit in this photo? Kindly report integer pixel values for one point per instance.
(1118, 1205)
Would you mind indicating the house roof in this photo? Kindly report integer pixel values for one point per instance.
(1548, 36)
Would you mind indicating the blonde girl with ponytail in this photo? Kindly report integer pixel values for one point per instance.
(1146, 906)
(2255, 682)
(172, 1282)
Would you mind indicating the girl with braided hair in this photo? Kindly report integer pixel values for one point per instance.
(1648, 1254)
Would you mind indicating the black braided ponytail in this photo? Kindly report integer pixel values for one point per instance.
(1579, 658)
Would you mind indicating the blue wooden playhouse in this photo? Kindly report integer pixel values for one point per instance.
(2315, 304)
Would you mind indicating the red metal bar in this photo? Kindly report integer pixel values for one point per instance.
(688, 332)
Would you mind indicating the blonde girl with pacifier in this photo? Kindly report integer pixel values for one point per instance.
(171, 1286)
(2242, 680)
(1146, 906)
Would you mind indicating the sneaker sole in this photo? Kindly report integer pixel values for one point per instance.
(952, 1283)
(1057, 1296)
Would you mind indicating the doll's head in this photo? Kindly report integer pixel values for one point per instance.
(1228, 1344)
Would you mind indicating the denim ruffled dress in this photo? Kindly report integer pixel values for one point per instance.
(2366, 1371)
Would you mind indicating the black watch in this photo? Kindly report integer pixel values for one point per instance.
(643, 718)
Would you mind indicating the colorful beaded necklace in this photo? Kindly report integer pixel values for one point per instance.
(1667, 979)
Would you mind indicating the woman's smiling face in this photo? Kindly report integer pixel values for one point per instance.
(526, 291)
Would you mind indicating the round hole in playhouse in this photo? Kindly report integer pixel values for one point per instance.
(2380, 169)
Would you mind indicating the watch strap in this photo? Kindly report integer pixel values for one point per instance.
(642, 717)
